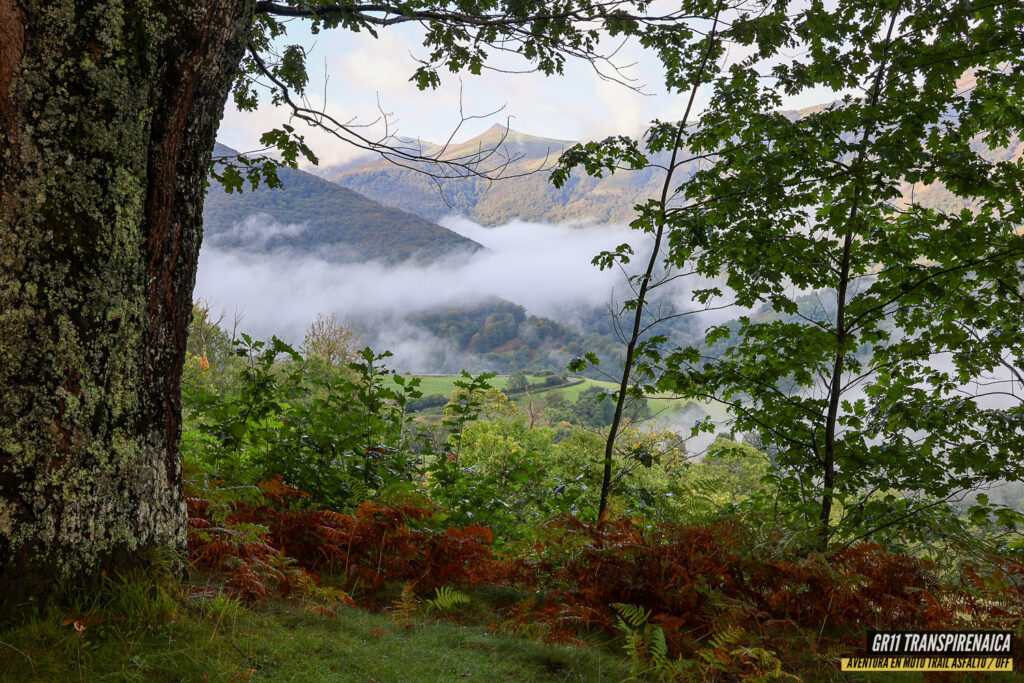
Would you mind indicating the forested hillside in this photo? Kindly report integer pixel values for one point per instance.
(311, 216)
(501, 336)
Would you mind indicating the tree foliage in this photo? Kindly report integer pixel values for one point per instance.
(901, 377)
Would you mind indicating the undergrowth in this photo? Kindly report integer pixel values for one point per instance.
(719, 601)
(139, 630)
(280, 589)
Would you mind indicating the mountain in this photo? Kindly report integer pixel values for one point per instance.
(310, 215)
(533, 198)
(516, 197)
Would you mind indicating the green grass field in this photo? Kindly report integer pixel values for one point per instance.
(445, 384)
(665, 407)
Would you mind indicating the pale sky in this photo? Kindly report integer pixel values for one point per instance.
(360, 69)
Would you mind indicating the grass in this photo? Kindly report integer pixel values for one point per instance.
(136, 631)
(666, 407)
(445, 384)
(136, 634)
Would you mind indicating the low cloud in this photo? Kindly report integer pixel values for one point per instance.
(545, 268)
(256, 231)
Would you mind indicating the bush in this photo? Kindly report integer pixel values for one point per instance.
(428, 401)
(267, 541)
(339, 436)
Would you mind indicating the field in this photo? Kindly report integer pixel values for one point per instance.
(445, 384)
(665, 407)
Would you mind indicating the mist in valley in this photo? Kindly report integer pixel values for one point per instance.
(546, 269)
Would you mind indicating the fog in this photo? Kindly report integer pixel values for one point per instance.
(545, 268)
(255, 231)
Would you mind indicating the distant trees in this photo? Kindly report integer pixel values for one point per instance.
(557, 407)
(506, 336)
(517, 382)
(329, 340)
(595, 407)
(499, 329)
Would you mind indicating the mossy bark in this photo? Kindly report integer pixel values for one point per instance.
(108, 112)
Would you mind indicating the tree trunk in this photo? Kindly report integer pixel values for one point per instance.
(108, 112)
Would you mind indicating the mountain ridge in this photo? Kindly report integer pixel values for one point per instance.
(313, 216)
(525, 192)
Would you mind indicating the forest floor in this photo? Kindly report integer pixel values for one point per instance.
(219, 640)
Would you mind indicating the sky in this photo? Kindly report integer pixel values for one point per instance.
(351, 73)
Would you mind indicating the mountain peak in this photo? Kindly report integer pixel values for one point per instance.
(499, 134)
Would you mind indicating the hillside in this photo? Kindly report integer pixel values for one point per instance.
(528, 197)
(488, 335)
(310, 215)
(533, 198)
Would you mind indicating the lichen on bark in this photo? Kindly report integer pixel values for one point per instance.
(108, 112)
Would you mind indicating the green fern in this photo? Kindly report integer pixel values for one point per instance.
(446, 599)
(646, 646)
(358, 490)
(635, 616)
(699, 499)
(657, 647)
(768, 661)
(720, 643)
(406, 608)
(723, 652)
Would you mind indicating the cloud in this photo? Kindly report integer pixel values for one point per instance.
(242, 131)
(381, 64)
(545, 268)
(256, 231)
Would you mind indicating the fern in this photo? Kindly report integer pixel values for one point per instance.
(635, 616)
(699, 501)
(723, 656)
(357, 488)
(646, 645)
(446, 599)
(658, 649)
(718, 657)
(407, 607)
(726, 638)
(768, 663)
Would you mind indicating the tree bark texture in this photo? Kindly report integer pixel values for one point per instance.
(108, 113)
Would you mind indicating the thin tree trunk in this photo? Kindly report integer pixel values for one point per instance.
(645, 281)
(842, 329)
(107, 120)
